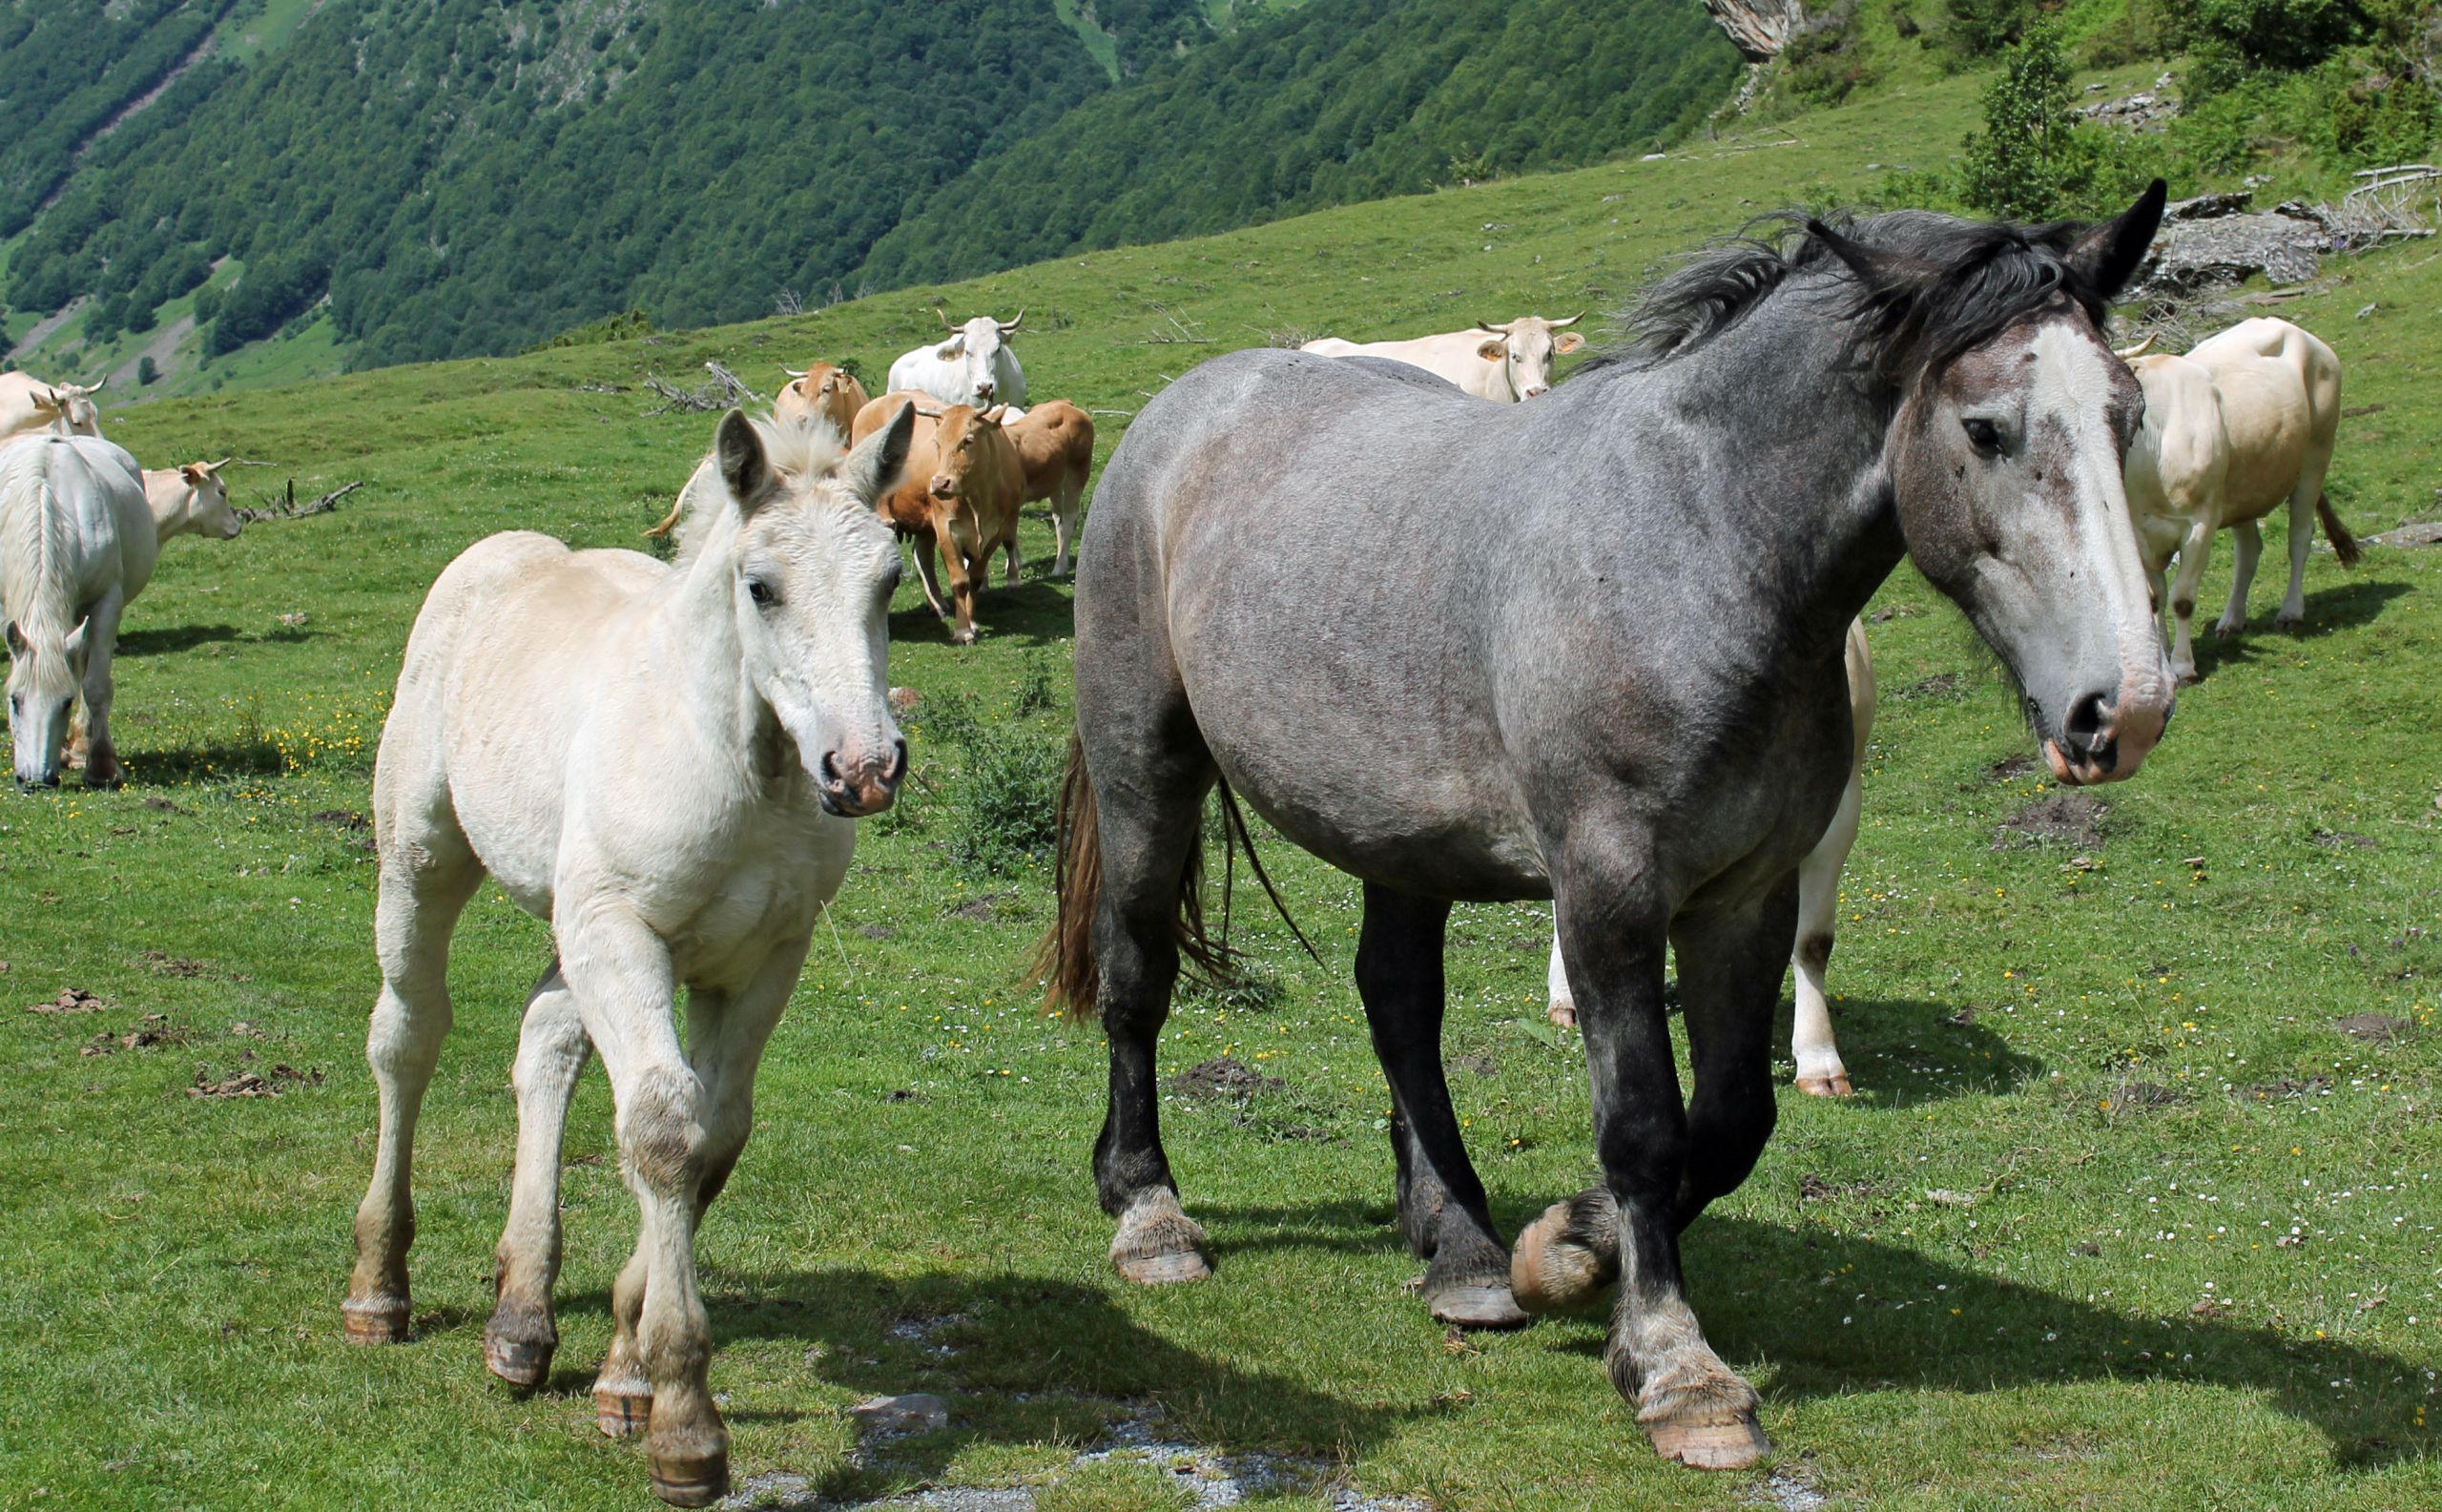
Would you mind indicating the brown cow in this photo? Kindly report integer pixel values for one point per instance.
(821, 389)
(958, 493)
(1055, 441)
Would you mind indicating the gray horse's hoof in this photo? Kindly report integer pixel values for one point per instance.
(375, 1321)
(1710, 1445)
(1477, 1305)
(1158, 1243)
(1550, 1271)
(692, 1481)
(622, 1413)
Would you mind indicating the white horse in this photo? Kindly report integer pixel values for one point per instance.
(662, 761)
(1820, 1072)
(76, 543)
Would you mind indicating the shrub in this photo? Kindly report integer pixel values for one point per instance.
(1981, 28)
(147, 371)
(1000, 801)
(2034, 160)
(2277, 33)
(1826, 60)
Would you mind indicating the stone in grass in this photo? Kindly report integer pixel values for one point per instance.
(895, 1417)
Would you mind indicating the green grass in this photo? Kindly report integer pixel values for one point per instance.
(169, 1306)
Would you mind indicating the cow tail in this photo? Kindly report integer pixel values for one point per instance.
(2343, 543)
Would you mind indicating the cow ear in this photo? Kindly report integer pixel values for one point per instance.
(193, 473)
(1568, 341)
(872, 468)
(744, 467)
(1489, 351)
(951, 350)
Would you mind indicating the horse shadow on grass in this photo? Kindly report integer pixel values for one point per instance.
(1901, 1052)
(162, 640)
(1025, 1361)
(2328, 611)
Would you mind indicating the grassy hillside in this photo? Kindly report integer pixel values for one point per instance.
(2187, 1253)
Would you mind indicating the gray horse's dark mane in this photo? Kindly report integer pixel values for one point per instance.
(1947, 286)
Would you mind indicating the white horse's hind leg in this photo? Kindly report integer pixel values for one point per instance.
(1819, 1070)
(552, 1049)
(620, 973)
(422, 888)
(2250, 551)
(101, 642)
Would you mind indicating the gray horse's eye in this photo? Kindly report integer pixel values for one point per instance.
(1983, 435)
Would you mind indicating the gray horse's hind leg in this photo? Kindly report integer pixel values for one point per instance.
(1731, 964)
(1443, 1211)
(1147, 843)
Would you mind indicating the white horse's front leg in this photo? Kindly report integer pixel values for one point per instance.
(101, 641)
(620, 973)
(1819, 1069)
(551, 1050)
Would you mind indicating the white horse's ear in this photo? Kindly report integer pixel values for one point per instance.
(16, 640)
(745, 470)
(74, 645)
(1489, 351)
(872, 468)
(1568, 341)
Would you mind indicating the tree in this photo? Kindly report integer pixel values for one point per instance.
(2032, 160)
(146, 370)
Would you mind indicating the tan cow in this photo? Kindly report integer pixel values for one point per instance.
(958, 493)
(29, 406)
(822, 389)
(2240, 425)
(190, 500)
(1055, 441)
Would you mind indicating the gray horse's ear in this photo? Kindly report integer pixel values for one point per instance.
(1875, 270)
(744, 467)
(872, 468)
(2107, 256)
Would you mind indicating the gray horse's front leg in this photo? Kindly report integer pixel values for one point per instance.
(1443, 1211)
(1691, 1407)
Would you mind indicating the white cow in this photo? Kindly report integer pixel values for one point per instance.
(190, 500)
(29, 406)
(76, 542)
(1511, 364)
(1819, 1070)
(2238, 427)
(975, 366)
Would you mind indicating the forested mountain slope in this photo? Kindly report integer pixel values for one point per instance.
(406, 179)
(1336, 104)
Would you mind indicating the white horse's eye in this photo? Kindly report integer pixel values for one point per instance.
(761, 592)
(1983, 435)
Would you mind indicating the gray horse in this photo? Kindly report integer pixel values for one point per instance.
(1589, 649)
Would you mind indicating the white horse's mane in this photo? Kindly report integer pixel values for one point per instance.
(34, 590)
(803, 448)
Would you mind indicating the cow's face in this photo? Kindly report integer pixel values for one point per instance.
(963, 445)
(974, 348)
(208, 510)
(1526, 349)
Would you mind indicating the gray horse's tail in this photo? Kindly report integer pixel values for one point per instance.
(1065, 957)
(2344, 545)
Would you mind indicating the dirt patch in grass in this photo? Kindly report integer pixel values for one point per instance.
(1811, 1188)
(2286, 1087)
(280, 1079)
(2344, 840)
(2376, 1026)
(2009, 769)
(1480, 1065)
(2140, 1097)
(2057, 818)
(170, 965)
(1222, 1076)
(983, 909)
(1949, 687)
(71, 1000)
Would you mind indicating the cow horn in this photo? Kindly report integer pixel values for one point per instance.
(1495, 329)
(2138, 351)
(928, 414)
(1010, 328)
(1562, 325)
(98, 384)
(794, 373)
(216, 467)
(945, 317)
(994, 415)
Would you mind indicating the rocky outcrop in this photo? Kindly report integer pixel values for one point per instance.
(2213, 240)
(1759, 29)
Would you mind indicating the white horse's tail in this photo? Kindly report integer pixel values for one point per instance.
(36, 595)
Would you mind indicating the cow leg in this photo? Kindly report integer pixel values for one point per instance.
(1691, 1407)
(1014, 561)
(551, 1051)
(2302, 539)
(101, 640)
(1443, 1211)
(956, 565)
(920, 546)
(2195, 549)
(1820, 1072)
(2250, 551)
(1064, 527)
